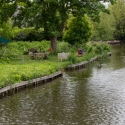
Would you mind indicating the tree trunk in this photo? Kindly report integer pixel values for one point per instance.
(53, 43)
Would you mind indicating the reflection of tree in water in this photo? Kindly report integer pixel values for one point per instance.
(80, 92)
(81, 74)
(118, 55)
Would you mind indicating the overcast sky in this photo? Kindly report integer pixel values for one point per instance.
(106, 4)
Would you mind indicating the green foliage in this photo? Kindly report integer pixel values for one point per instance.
(98, 48)
(89, 49)
(21, 34)
(72, 58)
(15, 72)
(29, 34)
(79, 31)
(118, 13)
(11, 74)
(88, 56)
(63, 47)
(6, 30)
(49, 14)
(104, 29)
(5, 60)
(16, 49)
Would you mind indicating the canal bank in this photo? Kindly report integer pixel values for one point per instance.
(12, 89)
(83, 64)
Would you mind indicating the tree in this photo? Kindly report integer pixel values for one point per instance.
(104, 30)
(79, 31)
(118, 12)
(49, 14)
(7, 30)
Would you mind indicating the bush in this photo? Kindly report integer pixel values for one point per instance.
(6, 30)
(89, 49)
(15, 49)
(35, 35)
(29, 35)
(79, 31)
(72, 58)
(98, 48)
(63, 47)
(21, 36)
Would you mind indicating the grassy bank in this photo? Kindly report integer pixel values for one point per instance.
(13, 71)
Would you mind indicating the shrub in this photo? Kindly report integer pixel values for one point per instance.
(15, 49)
(35, 35)
(5, 60)
(89, 49)
(6, 30)
(72, 58)
(63, 47)
(29, 34)
(79, 31)
(21, 36)
(98, 49)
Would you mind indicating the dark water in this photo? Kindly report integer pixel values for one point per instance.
(92, 96)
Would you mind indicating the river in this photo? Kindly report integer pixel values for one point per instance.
(91, 96)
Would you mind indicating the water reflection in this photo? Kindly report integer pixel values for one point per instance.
(91, 96)
(118, 56)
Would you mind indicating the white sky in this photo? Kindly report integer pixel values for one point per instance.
(106, 4)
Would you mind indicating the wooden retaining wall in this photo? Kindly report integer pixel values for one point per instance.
(10, 90)
(83, 64)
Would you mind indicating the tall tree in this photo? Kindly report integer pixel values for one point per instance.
(49, 14)
(104, 29)
(118, 12)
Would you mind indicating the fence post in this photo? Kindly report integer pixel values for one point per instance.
(22, 59)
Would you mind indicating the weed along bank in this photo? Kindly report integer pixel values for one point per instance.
(83, 64)
(10, 90)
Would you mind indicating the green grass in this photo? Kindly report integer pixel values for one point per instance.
(15, 71)
(12, 70)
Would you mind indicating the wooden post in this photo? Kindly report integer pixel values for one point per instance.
(22, 59)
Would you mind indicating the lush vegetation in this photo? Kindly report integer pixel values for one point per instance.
(112, 25)
(104, 30)
(11, 74)
(12, 69)
(28, 22)
(15, 49)
(49, 14)
(78, 31)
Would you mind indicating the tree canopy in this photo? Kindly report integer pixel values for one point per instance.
(118, 13)
(104, 30)
(49, 14)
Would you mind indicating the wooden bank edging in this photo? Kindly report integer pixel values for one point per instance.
(83, 64)
(10, 90)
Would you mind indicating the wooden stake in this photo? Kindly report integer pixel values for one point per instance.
(22, 59)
